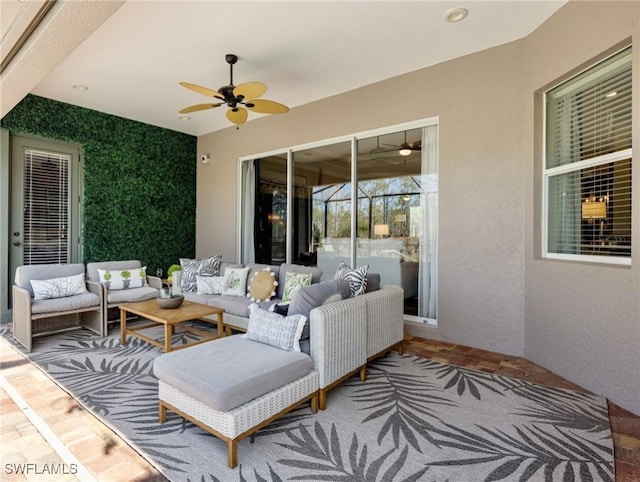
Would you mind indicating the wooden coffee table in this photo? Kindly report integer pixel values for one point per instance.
(169, 318)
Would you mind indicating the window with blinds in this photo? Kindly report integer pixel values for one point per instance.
(587, 171)
(46, 207)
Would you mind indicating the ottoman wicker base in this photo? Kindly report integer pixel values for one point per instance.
(244, 420)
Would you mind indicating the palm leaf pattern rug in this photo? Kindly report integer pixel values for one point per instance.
(412, 420)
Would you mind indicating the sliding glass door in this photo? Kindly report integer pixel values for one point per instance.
(366, 200)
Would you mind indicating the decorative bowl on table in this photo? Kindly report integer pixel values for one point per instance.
(170, 303)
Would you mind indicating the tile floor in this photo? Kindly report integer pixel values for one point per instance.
(86, 444)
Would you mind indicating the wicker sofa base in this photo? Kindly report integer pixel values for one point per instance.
(242, 421)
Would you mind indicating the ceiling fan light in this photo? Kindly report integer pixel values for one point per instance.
(405, 151)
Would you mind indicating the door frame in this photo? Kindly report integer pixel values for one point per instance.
(8, 141)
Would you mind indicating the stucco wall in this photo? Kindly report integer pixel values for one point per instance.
(478, 99)
(582, 320)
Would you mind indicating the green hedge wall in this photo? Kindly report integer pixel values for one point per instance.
(139, 181)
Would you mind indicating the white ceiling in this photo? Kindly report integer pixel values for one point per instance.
(303, 50)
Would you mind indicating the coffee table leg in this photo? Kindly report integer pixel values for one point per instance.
(167, 337)
(220, 326)
(123, 327)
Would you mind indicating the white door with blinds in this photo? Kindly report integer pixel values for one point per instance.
(45, 203)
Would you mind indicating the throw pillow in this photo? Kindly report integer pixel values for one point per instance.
(309, 297)
(45, 289)
(295, 268)
(273, 329)
(209, 285)
(280, 309)
(192, 267)
(262, 286)
(123, 279)
(235, 281)
(357, 277)
(293, 281)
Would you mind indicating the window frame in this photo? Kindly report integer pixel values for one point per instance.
(548, 173)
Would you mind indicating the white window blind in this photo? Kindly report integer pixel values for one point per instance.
(588, 163)
(46, 207)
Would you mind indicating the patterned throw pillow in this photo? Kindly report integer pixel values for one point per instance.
(235, 281)
(262, 286)
(294, 281)
(203, 266)
(276, 330)
(357, 277)
(209, 285)
(123, 279)
(45, 289)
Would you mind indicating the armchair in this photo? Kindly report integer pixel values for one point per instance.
(32, 317)
(111, 298)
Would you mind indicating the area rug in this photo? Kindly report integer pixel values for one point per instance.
(412, 420)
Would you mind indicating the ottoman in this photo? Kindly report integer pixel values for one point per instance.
(233, 386)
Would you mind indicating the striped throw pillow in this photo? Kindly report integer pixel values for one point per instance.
(357, 277)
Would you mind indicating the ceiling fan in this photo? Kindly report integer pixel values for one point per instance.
(237, 98)
(406, 148)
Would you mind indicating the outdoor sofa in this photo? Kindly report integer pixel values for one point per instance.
(234, 385)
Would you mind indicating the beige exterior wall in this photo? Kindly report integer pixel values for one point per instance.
(579, 320)
(582, 320)
(479, 102)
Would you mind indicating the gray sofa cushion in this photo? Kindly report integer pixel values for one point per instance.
(69, 303)
(235, 305)
(309, 297)
(131, 295)
(222, 375)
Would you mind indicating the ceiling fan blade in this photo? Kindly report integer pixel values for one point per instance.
(250, 90)
(201, 90)
(237, 115)
(197, 107)
(267, 107)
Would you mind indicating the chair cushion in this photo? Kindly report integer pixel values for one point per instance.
(227, 372)
(131, 295)
(69, 303)
(24, 274)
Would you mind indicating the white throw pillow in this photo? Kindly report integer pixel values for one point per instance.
(123, 279)
(282, 332)
(209, 285)
(235, 281)
(44, 289)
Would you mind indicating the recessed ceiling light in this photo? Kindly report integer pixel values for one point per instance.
(611, 94)
(184, 117)
(79, 87)
(456, 14)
